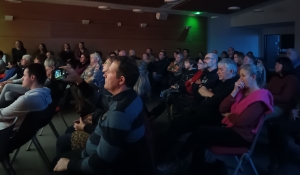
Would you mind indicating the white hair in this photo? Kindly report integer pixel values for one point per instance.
(230, 64)
(96, 55)
(27, 57)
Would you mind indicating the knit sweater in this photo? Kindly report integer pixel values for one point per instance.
(246, 113)
(285, 91)
(118, 142)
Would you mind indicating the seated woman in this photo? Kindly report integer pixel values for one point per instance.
(176, 68)
(93, 76)
(284, 88)
(13, 68)
(243, 110)
(64, 142)
(142, 86)
(278, 134)
(238, 59)
(195, 78)
(171, 94)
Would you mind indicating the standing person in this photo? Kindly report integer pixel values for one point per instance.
(18, 51)
(80, 50)
(42, 49)
(67, 54)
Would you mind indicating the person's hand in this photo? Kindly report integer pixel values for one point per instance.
(72, 75)
(79, 126)
(198, 82)
(173, 87)
(226, 114)
(62, 164)
(237, 87)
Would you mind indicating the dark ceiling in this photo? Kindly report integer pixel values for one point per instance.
(216, 6)
(143, 3)
(210, 6)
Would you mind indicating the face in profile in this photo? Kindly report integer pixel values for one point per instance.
(223, 72)
(246, 78)
(17, 44)
(187, 65)
(200, 65)
(278, 67)
(26, 79)
(82, 59)
(106, 65)
(111, 79)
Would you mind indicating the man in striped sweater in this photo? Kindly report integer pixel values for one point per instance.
(119, 144)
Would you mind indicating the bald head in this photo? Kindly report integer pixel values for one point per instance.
(122, 53)
(292, 54)
(210, 61)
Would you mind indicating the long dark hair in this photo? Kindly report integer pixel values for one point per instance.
(287, 66)
(44, 50)
(21, 44)
(63, 47)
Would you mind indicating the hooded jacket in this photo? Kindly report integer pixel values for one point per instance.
(34, 100)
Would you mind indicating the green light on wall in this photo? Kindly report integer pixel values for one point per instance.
(192, 21)
(198, 13)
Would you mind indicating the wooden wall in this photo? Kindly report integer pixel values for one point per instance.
(55, 25)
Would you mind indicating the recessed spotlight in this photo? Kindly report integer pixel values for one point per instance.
(104, 8)
(234, 8)
(171, 1)
(213, 17)
(198, 13)
(258, 10)
(14, 1)
(137, 10)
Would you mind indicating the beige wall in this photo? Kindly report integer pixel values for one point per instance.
(55, 25)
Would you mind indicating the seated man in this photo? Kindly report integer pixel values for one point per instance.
(205, 113)
(36, 99)
(119, 144)
(2, 63)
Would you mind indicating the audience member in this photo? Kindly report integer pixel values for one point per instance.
(93, 74)
(118, 157)
(195, 78)
(176, 69)
(160, 67)
(200, 56)
(186, 53)
(66, 53)
(239, 59)
(112, 54)
(150, 52)
(40, 59)
(42, 49)
(50, 54)
(292, 54)
(262, 69)
(248, 59)
(36, 99)
(132, 55)
(215, 52)
(250, 53)
(2, 63)
(243, 110)
(81, 50)
(19, 51)
(230, 52)
(142, 86)
(224, 55)
(284, 88)
(13, 68)
(117, 52)
(122, 53)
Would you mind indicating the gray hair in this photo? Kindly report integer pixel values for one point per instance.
(230, 64)
(252, 70)
(28, 57)
(181, 56)
(98, 57)
(52, 62)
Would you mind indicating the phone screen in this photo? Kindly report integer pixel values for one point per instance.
(59, 74)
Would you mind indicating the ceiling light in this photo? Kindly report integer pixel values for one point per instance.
(213, 17)
(198, 13)
(258, 10)
(14, 1)
(171, 1)
(104, 8)
(234, 8)
(8, 18)
(137, 11)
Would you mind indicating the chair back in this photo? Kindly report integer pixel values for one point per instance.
(259, 127)
(5, 135)
(29, 127)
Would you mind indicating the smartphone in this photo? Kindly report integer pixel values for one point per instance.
(59, 74)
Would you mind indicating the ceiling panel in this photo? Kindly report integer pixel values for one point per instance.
(144, 3)
(216, 6)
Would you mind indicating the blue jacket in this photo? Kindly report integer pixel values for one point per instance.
(9, 73)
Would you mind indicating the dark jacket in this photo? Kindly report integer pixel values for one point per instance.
(18, 54)
(64, 55)
(160, 67)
